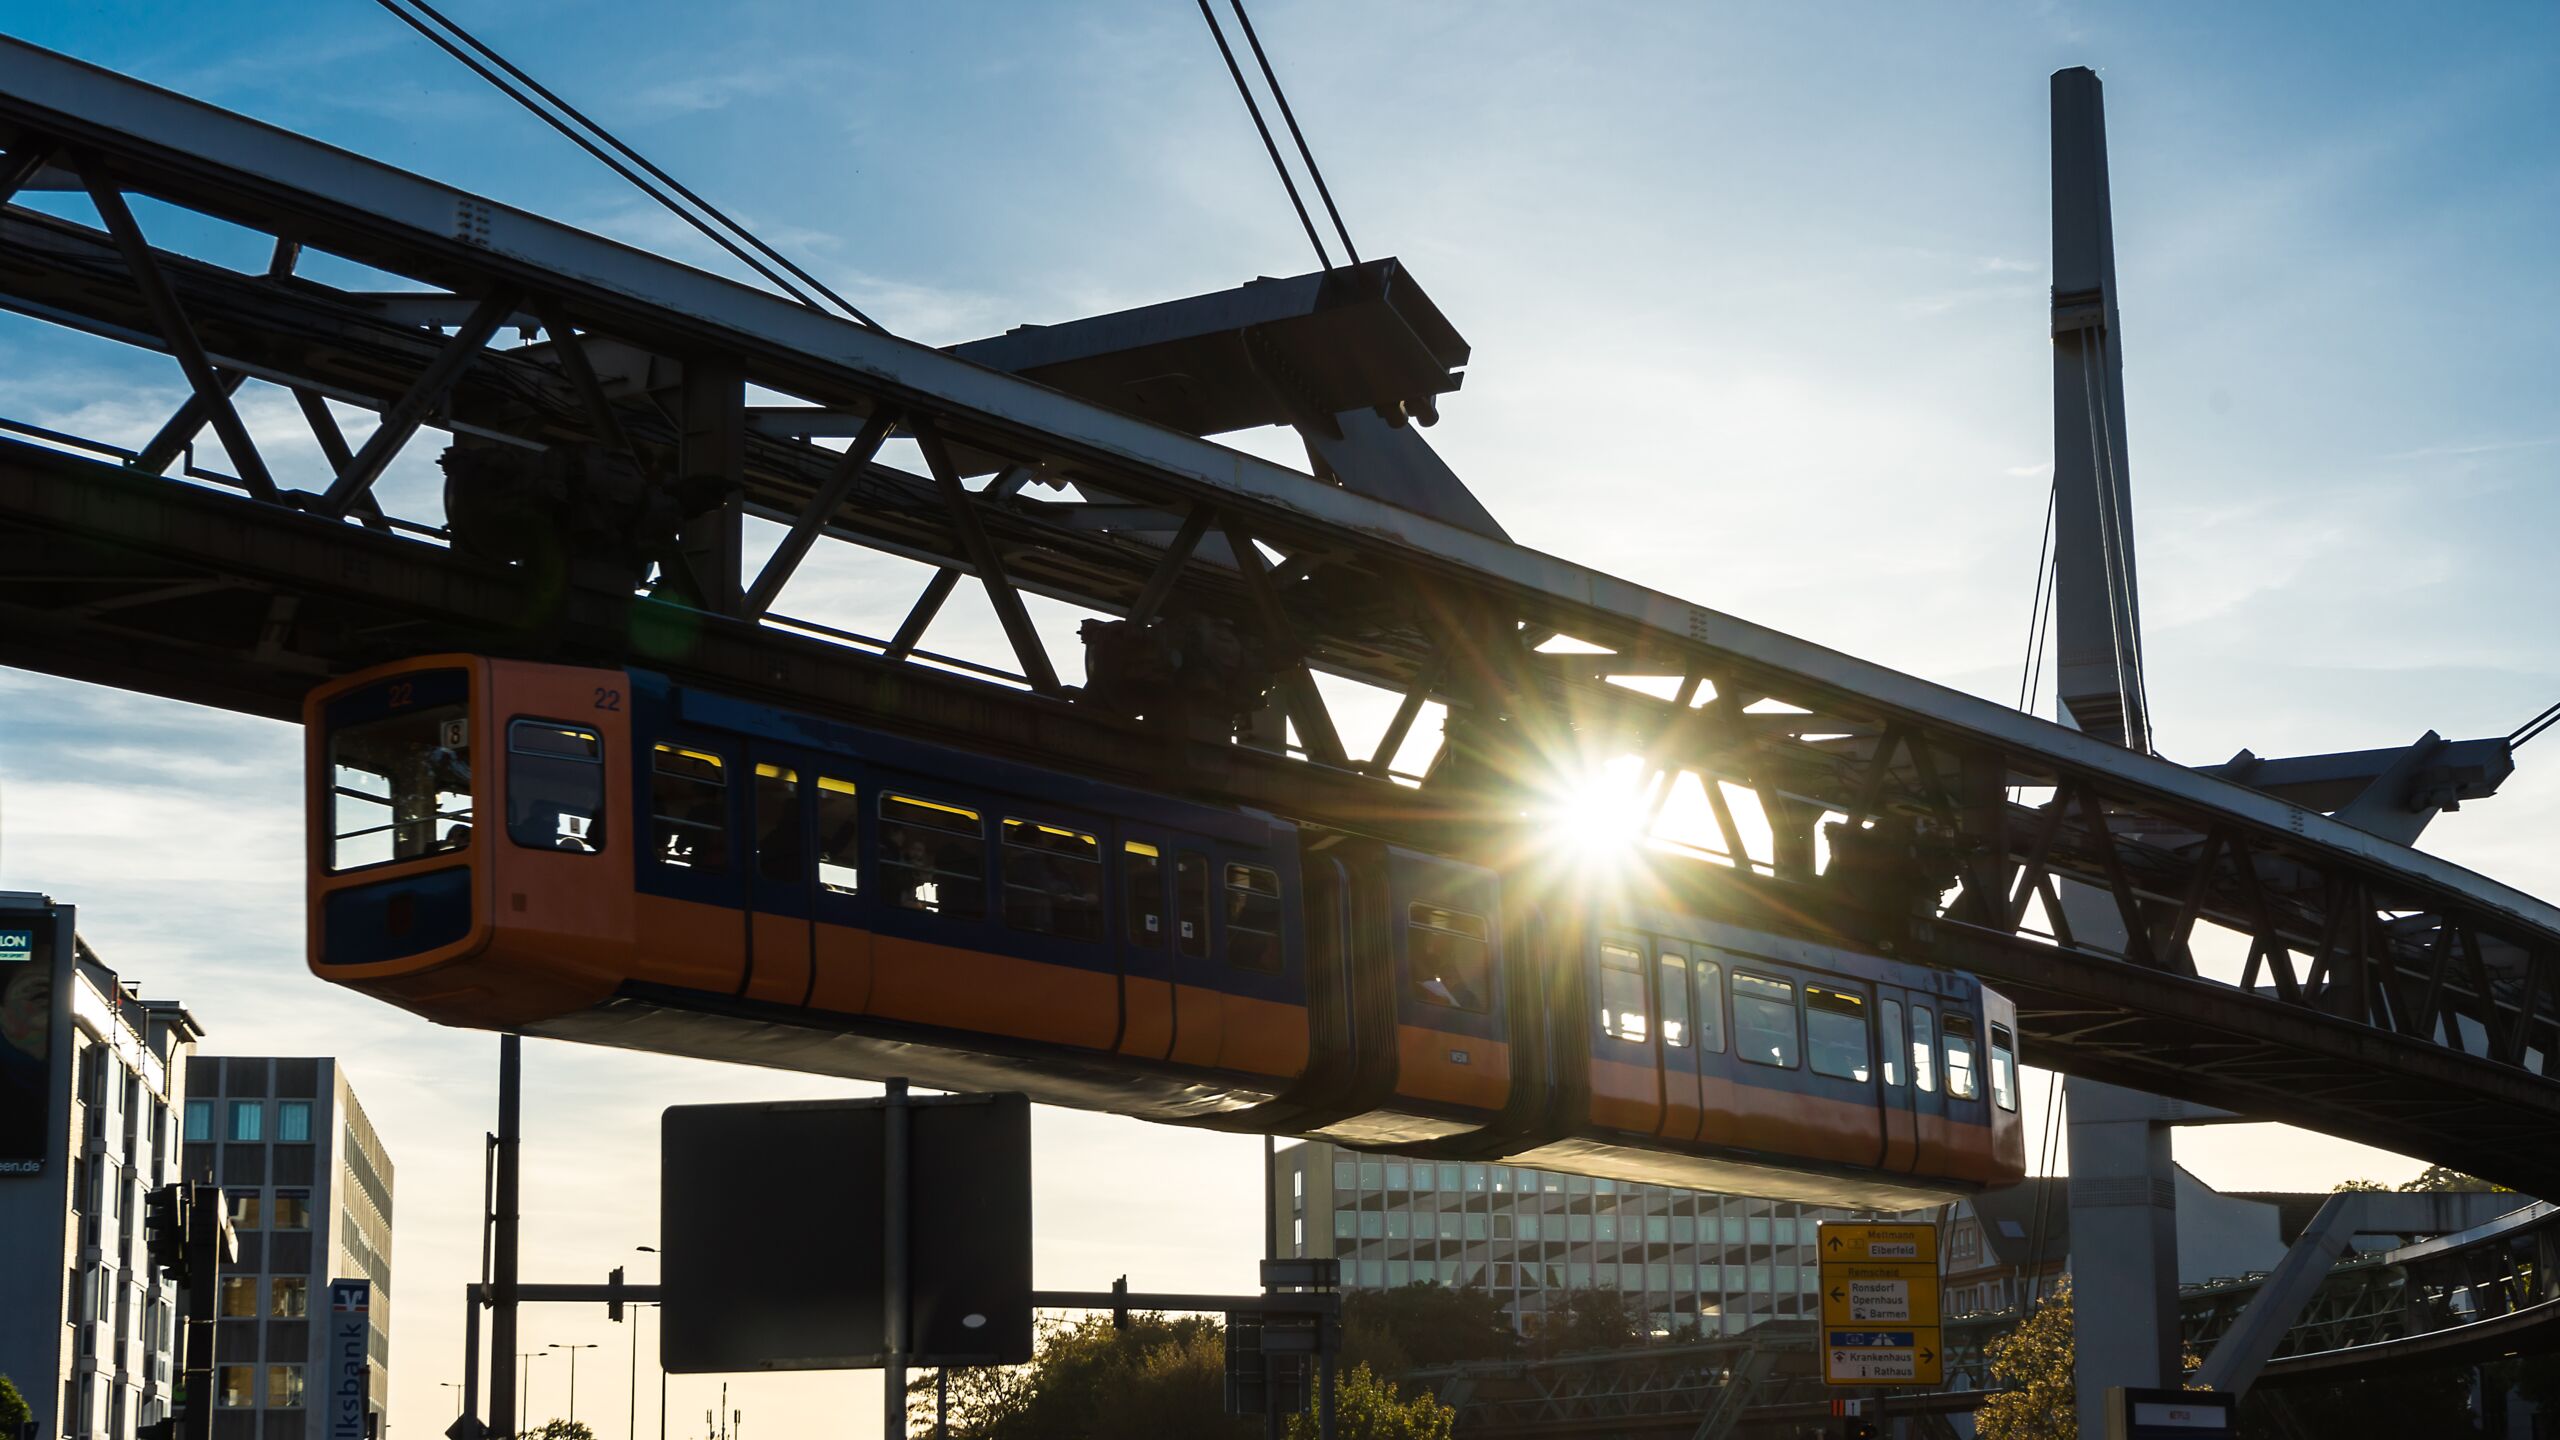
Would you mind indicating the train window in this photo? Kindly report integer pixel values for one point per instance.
(1622, 994)
(1835, 1032)
(1958, 1035)
(1052, 880)
(1711, 1007)
(933, 856)
(1889, 1012)
(1764, 1020)
(1924, 1050)
(555, 786)
(1673, 975)
(839, 837)
(1142, 894)
(401, 787)
(1446, 957)
(778, 825)
(688, 808)
(2004, 1069)
(1253, 918)
(1191, 900)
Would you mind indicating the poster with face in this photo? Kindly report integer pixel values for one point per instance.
(30, 997)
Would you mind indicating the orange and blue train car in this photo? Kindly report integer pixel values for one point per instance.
(614, 857)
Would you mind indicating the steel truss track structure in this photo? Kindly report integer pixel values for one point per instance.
(2386, 995)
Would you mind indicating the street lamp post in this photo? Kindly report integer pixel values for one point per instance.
(632, 1430)
(573, 1374)
(524, 1390)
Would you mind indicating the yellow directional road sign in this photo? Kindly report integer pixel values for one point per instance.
(1879, 1304)
(1879, 1295)
(1860, 1241)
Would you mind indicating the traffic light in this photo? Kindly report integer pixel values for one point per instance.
(613, 1307)
(165, 1230)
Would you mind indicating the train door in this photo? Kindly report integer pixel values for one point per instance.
(1683, 1101)
(782, 877)
(1893, 1070)
(1145, 943)
(840, 932)
(1840, 1067)
(1626, 1068)
(1933, 1143)
(690, 913)
(1199, 1008)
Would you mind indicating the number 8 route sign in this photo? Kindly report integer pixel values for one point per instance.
(1879, 1304)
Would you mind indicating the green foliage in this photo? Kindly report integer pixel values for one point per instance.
(1165, 1379)
(2436, 1179)
(1157, 1379)
(2345, 1187)
(13, 1408)
(1417, 1327)
(560, 1430)
(2031, 1365)
(1368, 1408)
(1591, 1319)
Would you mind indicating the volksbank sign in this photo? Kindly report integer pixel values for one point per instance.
(350, 1326)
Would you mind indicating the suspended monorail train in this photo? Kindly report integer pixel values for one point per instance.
(613, 857)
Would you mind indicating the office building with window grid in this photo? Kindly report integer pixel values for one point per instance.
(95, 1078)
(1689, 1259)
(309, 1189)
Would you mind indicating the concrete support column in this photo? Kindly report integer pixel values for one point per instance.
(2124, 1244)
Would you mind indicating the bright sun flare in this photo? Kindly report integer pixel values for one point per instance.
(1602, 812)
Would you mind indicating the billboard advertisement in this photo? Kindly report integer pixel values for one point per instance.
(350, 1384)
(35, 999)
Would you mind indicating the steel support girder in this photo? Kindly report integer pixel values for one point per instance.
(2139, 815)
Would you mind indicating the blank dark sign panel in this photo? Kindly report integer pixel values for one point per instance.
(771, 1226)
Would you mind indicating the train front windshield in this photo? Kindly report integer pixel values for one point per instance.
(400, 770)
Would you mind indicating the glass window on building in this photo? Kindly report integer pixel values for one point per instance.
(1475, 1179)
(239, 1297)
(1684, 1230)
(248, 1120)
(244, 1209)
(1346, 1175)
(199, 1120)
(232, 1385)
(1396, 1179)
(1657, 1229)
(1759, 1231)
(1528, 1226)
(1372, 1176)
(1373, 1226)
(289, 1297)
(293, 1122)
(1425, 1179)
(1604, 1228)
(1346, 1225)
(1399, 1225)
(291, 1210)
(1478, 1226)
(1447, 1221)
(1577, 1228)
(1449, 1177)
(284, 1387)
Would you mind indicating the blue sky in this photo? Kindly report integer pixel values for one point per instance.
(1757, 301)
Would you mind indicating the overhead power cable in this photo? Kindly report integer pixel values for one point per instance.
(1282, 96)
(1270, 147)
(597, 141)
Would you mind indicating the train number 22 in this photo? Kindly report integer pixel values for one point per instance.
(608, 699)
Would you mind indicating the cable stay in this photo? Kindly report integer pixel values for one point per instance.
(714, 224)
(1270, 146)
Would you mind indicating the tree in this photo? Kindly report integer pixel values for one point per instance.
(14, 1411)
(2031, 1366)
(1422, 1326)
(1159, 1377)
(560, 1430)
(1591, 1320)
(1368, 1408)
(2355, 1187)
(2437, 1179)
